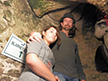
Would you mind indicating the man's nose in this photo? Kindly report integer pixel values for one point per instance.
(68, 22)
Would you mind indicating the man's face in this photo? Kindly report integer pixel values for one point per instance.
(67, 24)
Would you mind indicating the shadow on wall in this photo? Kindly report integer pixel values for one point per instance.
(89, 15)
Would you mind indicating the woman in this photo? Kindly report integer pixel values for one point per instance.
(40, 59)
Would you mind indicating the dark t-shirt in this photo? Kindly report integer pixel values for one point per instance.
(67, 59)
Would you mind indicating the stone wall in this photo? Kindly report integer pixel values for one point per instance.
(20, 18)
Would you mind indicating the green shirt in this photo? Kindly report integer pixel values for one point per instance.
(67, 60)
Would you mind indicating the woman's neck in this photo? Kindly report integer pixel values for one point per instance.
(46, 42)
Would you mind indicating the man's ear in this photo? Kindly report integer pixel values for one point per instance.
(73, 25)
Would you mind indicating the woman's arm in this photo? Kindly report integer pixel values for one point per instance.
(38, 67)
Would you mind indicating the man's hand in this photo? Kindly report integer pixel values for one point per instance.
(83, 80)
(34, 36)
(57, 79)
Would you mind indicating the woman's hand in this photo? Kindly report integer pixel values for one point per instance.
(34, 36)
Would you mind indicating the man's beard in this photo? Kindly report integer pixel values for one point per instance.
(66, 29)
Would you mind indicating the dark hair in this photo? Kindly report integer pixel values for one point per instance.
(58, 33)
(72, 32)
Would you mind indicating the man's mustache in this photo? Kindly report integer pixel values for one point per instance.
(66, 29)
(67, 25)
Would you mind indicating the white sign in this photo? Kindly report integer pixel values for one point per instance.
(15, 49)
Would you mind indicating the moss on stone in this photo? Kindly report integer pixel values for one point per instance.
(6, 78)
(6, 3)
(0, 40)
(15, 63)
(39, 4)
(35, 3)
(0, 2)
(7, 15)
(13, 73)
(1, 70)
(3, 57)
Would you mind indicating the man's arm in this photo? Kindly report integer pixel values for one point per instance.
(81, 74)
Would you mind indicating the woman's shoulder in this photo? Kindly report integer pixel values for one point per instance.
(35, 44)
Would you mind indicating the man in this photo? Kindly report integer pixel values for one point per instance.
(67, 62)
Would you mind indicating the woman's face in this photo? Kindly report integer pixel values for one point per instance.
(50, 36)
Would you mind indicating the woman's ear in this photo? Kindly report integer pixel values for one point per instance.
(61, 24)
(43, 33)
